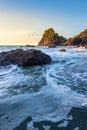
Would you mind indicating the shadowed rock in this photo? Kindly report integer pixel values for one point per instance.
(62, 50)
(51, 39)
(79, 40)
(24, 58)
(30, 46)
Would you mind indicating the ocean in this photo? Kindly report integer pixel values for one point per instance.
(47, 97)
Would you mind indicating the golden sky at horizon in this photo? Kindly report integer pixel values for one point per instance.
(18, 38)
(16, 30)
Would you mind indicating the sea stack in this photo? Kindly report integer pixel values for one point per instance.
(51, 39)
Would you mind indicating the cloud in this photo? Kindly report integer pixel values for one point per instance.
(34, 34)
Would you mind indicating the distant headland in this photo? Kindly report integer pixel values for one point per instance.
(52, 39)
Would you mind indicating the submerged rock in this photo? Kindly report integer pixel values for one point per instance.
(62, 50)
(79, 40)
(24, 58)
(51, 39)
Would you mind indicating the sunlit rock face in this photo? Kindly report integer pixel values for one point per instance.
(78, 40)
(51, 38)
(24, 58)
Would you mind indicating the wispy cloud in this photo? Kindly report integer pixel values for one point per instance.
(34, 34)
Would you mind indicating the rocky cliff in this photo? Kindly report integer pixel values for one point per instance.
(78, 40)
(51, 38)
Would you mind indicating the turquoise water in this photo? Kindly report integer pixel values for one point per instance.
(48, 97)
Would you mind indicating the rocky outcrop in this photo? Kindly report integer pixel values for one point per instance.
(24, 58)
(62, 50)
(51, 39)
(78, 40)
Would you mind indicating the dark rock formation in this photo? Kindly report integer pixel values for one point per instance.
(24, 58)
(62, 50)
(30, 46)
(78, 40)
(51, 39)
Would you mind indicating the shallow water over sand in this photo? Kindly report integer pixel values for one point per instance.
(48, 97)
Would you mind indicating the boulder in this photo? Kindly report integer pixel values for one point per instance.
(79, 40)
(24, 58)
(51, 39)
(62, 50)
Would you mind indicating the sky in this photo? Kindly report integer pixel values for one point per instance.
(24, 21)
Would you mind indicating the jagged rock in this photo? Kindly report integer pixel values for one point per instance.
(62, 50)
(24, 58)
(51, 39)
(78, 40)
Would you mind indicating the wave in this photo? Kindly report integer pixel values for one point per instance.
(6, 70)
(46, 93)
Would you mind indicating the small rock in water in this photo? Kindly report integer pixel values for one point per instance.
(62, 50)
